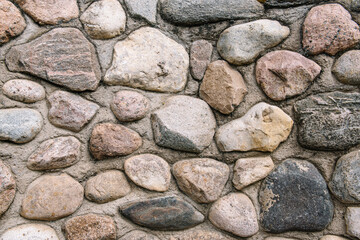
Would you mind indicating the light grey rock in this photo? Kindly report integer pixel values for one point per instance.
(143, 9)
(30, 232)
(352, 219)
(346, 68)
(24, 90)
(200, 57)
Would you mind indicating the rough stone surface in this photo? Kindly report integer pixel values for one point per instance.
(62, 56)
(12, 22)
(138, 235)
(290, 3)
(129, 106)
(111, 140)
(24, 90)
(104, 19)
(70, 111)
(190, 12)
(329, 29)
(164, 65)
(184, 123)
(332, 237)
(294, 197)
(107, 186)
(149, 171)
(235, 213)
(279, 238)
(202, 235)
(7, 188)
(52, 197)
(55, 153)
(329, 121)
(165, 213)
(346, 68)
(234, 45)
(283, 74)
(262, 128)
(49, 11)
(223, 87)
(250, 170)
(352, 218)
(202, 179)
(30, 232)
(143, 9)
(19, 125)
(200, 56)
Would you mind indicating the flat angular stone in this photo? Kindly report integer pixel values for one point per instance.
(7, 188)
(29, 232)
(143, 9)
(62, 56)
(352, 219)
(49, 11)
(223, 87)
(294, 197)
(165, 214)
(104, 19)
(52, 197)
(235, 213)
(329, 29)
(184, 123)
(19, 125)
(202, 179)
(290, 3)
(23, 90)
(12, 22)
(346, 68)
(202, 235)
(283, 74)
(149, 171)
(200, 56)
(90, 227)
(332, 237)
(70, 111)
(250, 170)
(194, 12)
(111, 140)
(262, 128)
(329, 121)
(164, 65)
(138, 235)
(107, 186)
(242, 44)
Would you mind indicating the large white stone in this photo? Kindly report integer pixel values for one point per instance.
(30, 232)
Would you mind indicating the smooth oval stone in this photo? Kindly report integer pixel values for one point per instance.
(19, 125)
(30, 232)
(24, 90)
(346, 68)
(7, 188)
(166, 214)
(138, 235)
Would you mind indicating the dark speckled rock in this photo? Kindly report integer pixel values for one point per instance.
(294, 197)
(166, 213)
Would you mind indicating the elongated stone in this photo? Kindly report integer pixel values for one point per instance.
(7, 188)
(200, 56)
(290, 3)
(30, 232)
(24, 90)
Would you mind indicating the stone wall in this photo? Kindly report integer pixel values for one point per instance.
(179, 119)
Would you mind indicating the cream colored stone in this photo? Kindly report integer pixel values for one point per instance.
(30, 232)
(332, 237)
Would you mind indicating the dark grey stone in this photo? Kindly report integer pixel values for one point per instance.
(329, 121)
(294, 197)
(290, 3)
(166, 213)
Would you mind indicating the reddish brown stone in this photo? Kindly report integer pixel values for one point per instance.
(200, 56)
(7, 188)
(12, 22)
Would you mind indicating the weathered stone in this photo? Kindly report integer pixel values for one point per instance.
(346, 68)
(290, 3)
(30, 232)
(278, 238)
(241, 44)
(203, 179)
(7, 188)
(283, 74)
(329, 121)
(166, 213)
(345, 182)
(55, 153)
(24, 90)
(294, 197)
(52, 197)
(104, 19)
(129, 106)
(352, 219)
(12, 22)
(143, 9)
(111, 140)
(200, 56)
(262, 128)
(250, 170)
(223, 87)
(202, 235)
(49, 11)
(107, 186)
(62, 56)
(70, 111)
(190, 12)
(235, 213)
(164, 62)
(329, 29)
(332, 237)
(184, 123)
(149, 171)
(19, 125)
(138, 235)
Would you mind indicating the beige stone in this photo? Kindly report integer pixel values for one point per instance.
(332, 237)
(200, 56)
(7, 188)
(201, 235)
(138, 235)
(24, 90)
(12, 22)
(352, 219)
(30, 232)
(279, 238)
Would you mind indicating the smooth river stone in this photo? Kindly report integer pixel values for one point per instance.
(24, 90)
(200, 56)
(164, 62)
(143, 9)
(19, 125)
(165, 214)
(7, 188)
(12, 22)
(346, 68)
(294, 197)
(62, 56)
(30, 232)
(138, 235)
(329, 121)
